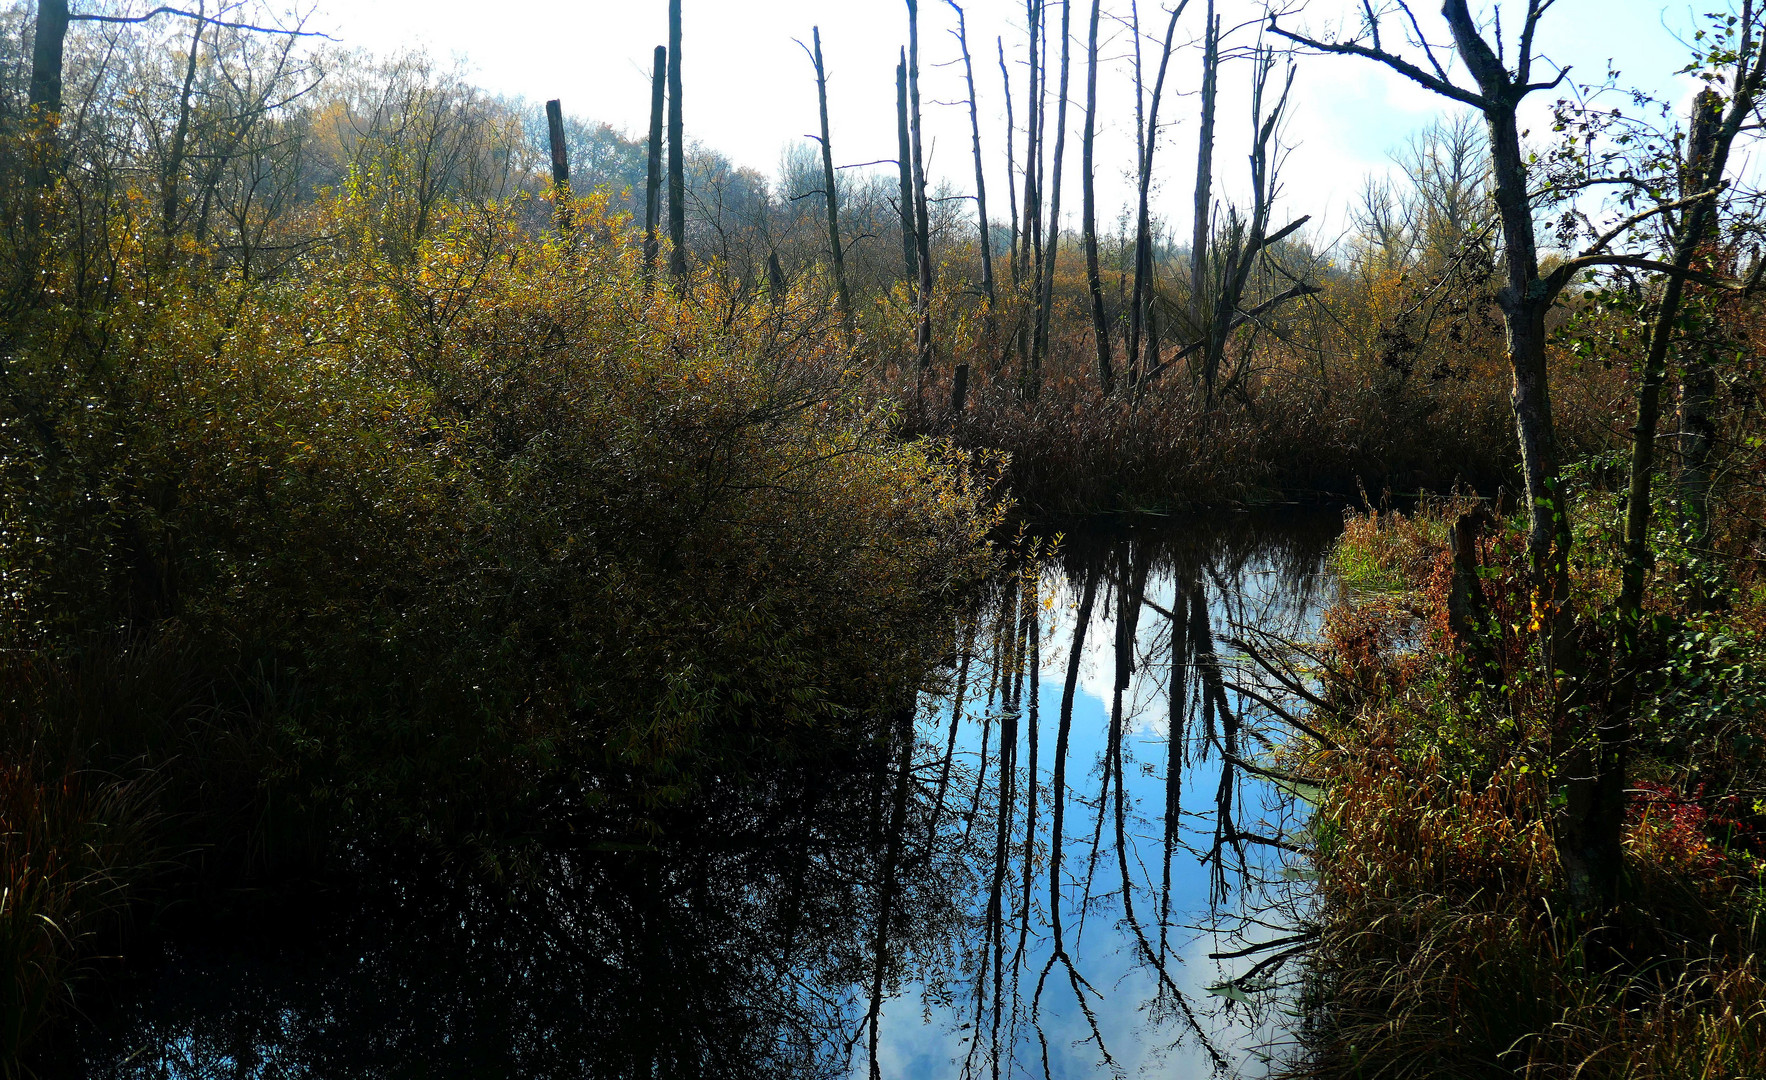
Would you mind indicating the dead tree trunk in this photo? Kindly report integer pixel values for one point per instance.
(1029, 255)
(922, 219)
(653, 181)
(844, 298)
(1247, 241)
(173, 168)
(1011, 164)
(677, 151)
(560, 161)
(1089, 224)
(47, 50)
(910, 243)
(1204, 202)
(1143, 239)
(987, 284)
(1045, 300)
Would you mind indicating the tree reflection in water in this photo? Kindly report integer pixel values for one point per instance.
(895, 910)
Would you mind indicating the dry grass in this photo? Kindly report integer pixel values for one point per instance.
(74, 846)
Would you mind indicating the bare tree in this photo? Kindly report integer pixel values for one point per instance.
(1011, 165)
(831, 193)
(1143, 236)
(1591, 762)
(653, 179)
(677, 151)
(1089, 212)
(910, 233)
(1045, 301)
(922, 223)
(1201, 230)
(987, 283)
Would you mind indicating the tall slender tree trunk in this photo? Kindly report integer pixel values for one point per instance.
(1599, 814)
(677, 150)
(986, 237)
(922, 219)
(1143, 242)
(904, 764)
(173, 169)
(653, 180)
(910, 242)
(1063, 732)
(1011, 164)
(1046, 298)
(1093, 280)
(1698, 434)
(1204, 202)
(844, 298)
(1698, 379)
(47, 49)
(1029, 254)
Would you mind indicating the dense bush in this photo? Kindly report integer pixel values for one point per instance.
(465, 531)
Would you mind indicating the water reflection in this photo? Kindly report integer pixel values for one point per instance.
(1156, 930)
(1028, 878)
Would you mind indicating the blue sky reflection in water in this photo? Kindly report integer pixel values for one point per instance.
(739, 941)
(1271, 581)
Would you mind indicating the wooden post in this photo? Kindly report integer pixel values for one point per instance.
(653, 182)
(560, 162)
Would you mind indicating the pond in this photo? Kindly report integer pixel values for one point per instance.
(1088, 865)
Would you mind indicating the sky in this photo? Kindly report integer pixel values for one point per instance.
(749, 88)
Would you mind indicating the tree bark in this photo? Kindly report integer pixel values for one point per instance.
(987, 283)
(47, 50)
(1204, 200)
(1029, 254)
(922, 219)
(844, 298)
(560, 160)
(910, 242)
(173, 167)
(1046, 299)
(1698, 379)
(677, 151)
(1143, 242)
(1011, 164)
(1093, 280)
(653, 179)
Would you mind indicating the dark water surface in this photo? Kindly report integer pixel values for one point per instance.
(796, 921)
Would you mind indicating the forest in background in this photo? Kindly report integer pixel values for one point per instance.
(368, 440)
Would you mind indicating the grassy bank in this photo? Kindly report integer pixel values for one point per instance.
(1450, 944)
